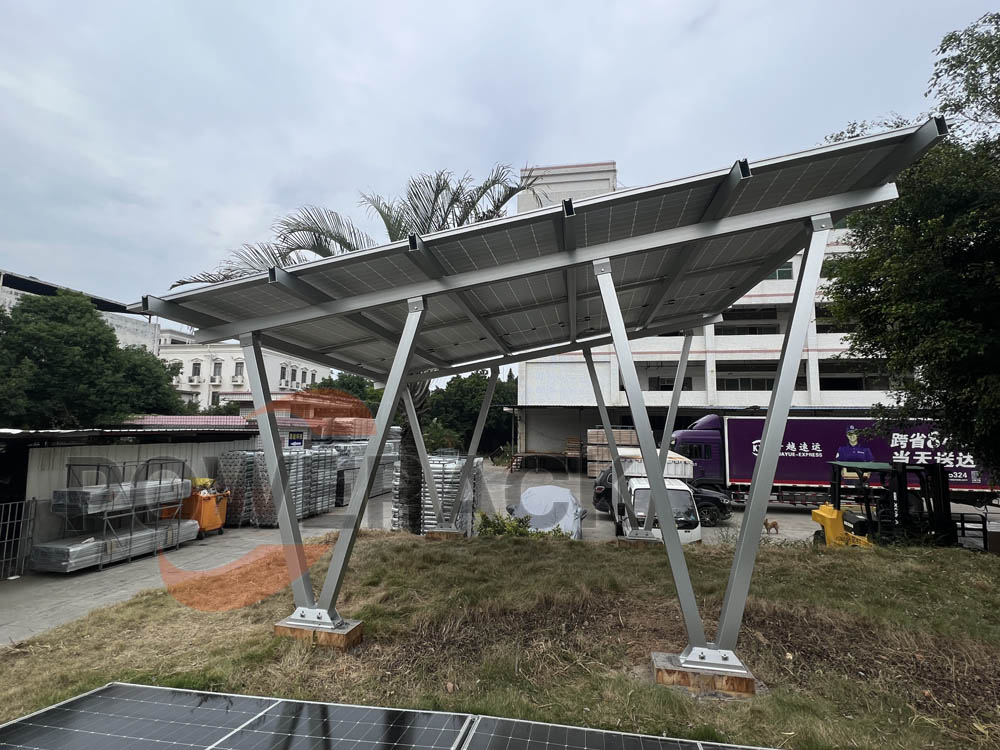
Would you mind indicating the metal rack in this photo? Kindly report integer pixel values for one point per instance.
(108, 518)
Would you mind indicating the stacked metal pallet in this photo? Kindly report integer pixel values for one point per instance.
(236, 474)
(447, 471)
(76, 553)
(298, 465)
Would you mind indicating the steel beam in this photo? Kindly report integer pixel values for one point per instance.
(277, 472)
(766, 218)
(309, 293)
(730, 188)
(425, 462)
(173, 311)
(668, 326)
(909, 151)
(650, 457)
(619, 492)
(764, 469)
(425, 259)
(395, 384)
(565, 226)
(477, 434)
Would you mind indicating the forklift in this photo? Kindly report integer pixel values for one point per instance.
(894, 511)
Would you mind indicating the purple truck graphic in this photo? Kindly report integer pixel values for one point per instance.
(724, 451)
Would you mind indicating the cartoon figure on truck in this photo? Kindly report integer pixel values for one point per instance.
(724, 451)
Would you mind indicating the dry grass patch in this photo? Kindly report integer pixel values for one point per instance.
(883, 649)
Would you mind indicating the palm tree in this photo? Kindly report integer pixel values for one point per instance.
(432, 203)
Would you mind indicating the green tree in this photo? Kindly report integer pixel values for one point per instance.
(456, 408)
(966, 79)
(61, 367)
(920, 288)
(431, 203)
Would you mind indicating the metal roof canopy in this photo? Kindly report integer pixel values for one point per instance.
(625, 265)
(521, 287)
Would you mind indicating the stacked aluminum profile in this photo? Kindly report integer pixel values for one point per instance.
(119, 496)
(447, 471)
(76, 553)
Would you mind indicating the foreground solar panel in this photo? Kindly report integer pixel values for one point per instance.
(139, 716)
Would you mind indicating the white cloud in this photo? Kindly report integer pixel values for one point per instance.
(140, 141)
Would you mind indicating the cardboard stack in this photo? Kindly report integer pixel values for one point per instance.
(598, 452)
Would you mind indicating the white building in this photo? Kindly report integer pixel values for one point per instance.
(212, 374)
(130, 328)
(731, 366)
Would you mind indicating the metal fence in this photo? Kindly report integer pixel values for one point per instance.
(17, 521)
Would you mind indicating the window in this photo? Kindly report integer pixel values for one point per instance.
(215, 399)
(313, 379)
(781, 273)
(745, 330)
(217, 369)
(295, 372)
(751, 313)
(284, 373)
(660, 383)
(196, 369)
(238, 371)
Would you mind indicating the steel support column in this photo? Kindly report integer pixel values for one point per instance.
(288, 524)
(618, 486)
(470, 457)
(803, 308)
(650, 457)
(675, 397)
(394, 385)
(425, 462)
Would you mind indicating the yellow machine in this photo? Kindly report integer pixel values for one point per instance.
(893, 512)
(832, 532)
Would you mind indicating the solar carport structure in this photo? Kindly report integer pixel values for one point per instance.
(636, 263)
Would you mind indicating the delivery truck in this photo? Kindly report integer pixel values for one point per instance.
(724, 451)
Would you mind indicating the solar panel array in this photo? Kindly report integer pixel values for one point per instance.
(498, 289)
(140, 717)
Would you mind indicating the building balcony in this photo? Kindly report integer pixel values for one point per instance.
(238, 380)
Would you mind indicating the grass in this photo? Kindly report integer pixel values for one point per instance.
(891, 648)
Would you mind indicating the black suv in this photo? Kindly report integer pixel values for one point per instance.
(713, 506)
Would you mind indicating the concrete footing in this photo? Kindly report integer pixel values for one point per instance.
(704, 682)
(346, 636)
(444, 534)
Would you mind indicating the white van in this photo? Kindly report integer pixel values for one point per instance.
(681, 500)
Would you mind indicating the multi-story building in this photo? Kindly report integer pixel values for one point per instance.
(732, 363)
(130, 328)
(212, 374)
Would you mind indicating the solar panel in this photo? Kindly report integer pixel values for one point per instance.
(122, 715)
(710, 238)
(490, 733)
(139, 717)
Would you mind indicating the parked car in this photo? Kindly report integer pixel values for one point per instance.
(551, 507)
(714, 506)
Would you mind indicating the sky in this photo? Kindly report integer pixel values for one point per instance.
(139, 141)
